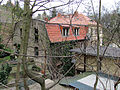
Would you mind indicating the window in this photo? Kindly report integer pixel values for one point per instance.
(36, 35)
(91, 32)
(21, 32)
(36, 51)
(36, 39)
(65, 31)
(76, 31)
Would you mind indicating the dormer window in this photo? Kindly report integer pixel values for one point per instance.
(76, 31)
(65, 31)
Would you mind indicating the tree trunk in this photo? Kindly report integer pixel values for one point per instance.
(24, 43)
(98, 45)
(27, 18)
(17, 76)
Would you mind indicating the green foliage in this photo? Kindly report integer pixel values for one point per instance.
(54, 12)
(17, 10)
(62, 49)
(4, 54)
(0, 26)
(0, 31)
(35, 68)
(1, 46)
(4, 73)
(44, 15)
(9, 4)
(67, 61)
(110, 20)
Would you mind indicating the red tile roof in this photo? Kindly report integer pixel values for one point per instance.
(54, 32)
(77, 19)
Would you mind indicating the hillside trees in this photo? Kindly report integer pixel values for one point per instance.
(5, 68)
(26, 16)
(62, 64)
(54, 12)
(110, 21)
(111, 31)
(4, 73)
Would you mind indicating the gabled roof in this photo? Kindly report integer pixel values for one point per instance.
(77, 20)
(92, 50)
(85, 81)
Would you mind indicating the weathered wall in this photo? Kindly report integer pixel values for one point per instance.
(108, 65)
(42, 44)
(93, 35)
(5, 15)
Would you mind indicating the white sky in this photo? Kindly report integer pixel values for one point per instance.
(109, 4)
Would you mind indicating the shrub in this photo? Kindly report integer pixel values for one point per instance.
(35, 68)
(4, 73)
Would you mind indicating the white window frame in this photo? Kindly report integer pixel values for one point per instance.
(65, 31)
(76, 31)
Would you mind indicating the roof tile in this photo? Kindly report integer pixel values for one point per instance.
(54, 32)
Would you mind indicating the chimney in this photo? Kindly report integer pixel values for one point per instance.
(46, 19)
(59, 15)
(76, 13)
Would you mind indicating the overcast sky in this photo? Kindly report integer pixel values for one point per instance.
(109, 4)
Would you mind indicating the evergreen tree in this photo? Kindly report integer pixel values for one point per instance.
(17, 10)
(39, 16)
(54, 13)
(9, 4)
(5, 72)
(44, 15)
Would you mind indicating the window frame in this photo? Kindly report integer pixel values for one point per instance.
(36, 51)
(36, 35)
(65, 31)
(76, 31)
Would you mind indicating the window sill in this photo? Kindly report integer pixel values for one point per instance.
(65, 36)
(76, 35)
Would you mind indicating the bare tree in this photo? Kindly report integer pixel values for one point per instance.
(1, 2)
(27, 17)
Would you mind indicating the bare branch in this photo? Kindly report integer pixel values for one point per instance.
(33, 56)
(53, 7)
(1, 2)
(41, 6)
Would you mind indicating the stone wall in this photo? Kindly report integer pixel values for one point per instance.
(42, 43)
(108, 64)
(92, 31)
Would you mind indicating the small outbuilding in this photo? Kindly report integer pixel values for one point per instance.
(86, 58)
(85, 81)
